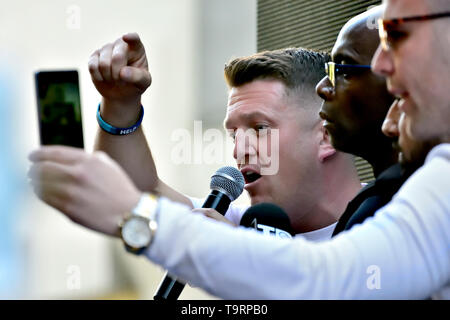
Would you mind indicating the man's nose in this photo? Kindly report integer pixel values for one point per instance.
(382, 62)
(245, 146)
(325, 89)
(390, 123)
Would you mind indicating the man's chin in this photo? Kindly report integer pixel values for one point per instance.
(255, 199)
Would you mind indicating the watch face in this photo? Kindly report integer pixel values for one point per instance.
(136, 232)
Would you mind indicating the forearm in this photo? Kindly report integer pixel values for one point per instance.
(119, 71)
(132, 151)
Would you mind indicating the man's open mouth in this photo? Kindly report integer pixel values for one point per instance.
(251, 176)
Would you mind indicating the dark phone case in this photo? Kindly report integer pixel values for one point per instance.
(59, 108)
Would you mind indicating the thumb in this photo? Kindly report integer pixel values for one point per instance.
(136, 50)
(140, 78)
(133, 40)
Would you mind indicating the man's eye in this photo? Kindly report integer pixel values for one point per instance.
(341, 71)
(395, 38)
(396, 35)
(259, 127)
(343, 74)
(262, 130)
(347, 75)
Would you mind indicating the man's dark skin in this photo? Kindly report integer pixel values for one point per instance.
(354, 111)
(355, 108)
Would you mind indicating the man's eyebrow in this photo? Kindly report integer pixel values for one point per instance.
(341, 56)
(249, 116)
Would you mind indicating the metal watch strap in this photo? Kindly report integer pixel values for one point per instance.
(147, 206)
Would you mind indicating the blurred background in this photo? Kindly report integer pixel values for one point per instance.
(42, 254)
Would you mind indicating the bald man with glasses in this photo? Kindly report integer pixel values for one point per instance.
(355, 103)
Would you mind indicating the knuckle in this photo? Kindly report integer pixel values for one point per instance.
(118, 56)
(106, 47)
(41, 171)
(92, 65)
(78, 175)
(104, 65)
(94, 55)
(119, 41)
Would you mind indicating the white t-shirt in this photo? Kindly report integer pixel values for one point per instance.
(235, 213)
(403, 252)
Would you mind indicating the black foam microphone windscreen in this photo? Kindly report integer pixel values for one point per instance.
(268, 218)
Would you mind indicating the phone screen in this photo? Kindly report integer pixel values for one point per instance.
(59, 108)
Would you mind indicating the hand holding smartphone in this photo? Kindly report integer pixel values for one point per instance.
(59, 108)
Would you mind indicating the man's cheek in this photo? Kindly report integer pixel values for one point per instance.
(269, 153)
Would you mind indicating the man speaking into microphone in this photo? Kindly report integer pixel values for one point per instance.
(271, 101)
(271, 92)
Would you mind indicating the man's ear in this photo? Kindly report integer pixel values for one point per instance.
(326, 150)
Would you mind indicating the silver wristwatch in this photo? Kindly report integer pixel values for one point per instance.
(138, 228)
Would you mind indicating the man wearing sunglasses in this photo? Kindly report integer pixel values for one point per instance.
(355, 104)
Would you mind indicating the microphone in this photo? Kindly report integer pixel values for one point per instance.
(227, 184)
(269, 219)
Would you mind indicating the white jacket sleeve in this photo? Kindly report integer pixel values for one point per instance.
(402, 253)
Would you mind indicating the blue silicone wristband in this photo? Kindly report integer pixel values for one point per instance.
(119, 131)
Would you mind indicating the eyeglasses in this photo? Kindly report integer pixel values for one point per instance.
(332, 69)
(387, 27)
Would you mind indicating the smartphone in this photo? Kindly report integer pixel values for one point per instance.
(59, 108)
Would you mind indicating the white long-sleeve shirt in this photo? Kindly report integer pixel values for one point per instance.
(403, 252)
